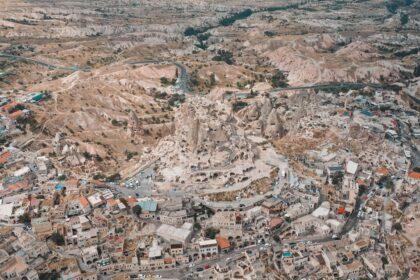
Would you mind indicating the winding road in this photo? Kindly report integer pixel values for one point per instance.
(51, 66)
(335, 86)
(181, 84)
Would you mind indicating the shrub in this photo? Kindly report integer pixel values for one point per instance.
(226, 56)
(25, 218)
(57, 238)
(236, 16)
(279, 79)
(239, 105)
(211, 232)
(114, 177)
(404, 19)
(137, 210)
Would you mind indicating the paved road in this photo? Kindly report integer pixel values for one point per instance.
(342, 85)
(51, 66)
(11, 225)
(181, 85)
(182, 81)
(181, 272)
(348, 226)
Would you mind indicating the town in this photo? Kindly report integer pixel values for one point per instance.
(343, 207)
(276, 161)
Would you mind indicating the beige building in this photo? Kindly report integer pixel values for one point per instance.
(177, 249)
(229, 223)
(352, 270)
(90, 254)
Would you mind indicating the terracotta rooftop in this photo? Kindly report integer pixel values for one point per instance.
(382, 171)
(83, 201)
(4, 157)
(131, 200)
(168, 260)
(16, 115)
(18, 185)
(111, 202)
(275, 222)
(414, 175)
(9, 106)
(222, 242)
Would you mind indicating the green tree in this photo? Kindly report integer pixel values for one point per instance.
(212, 80)
(384, 261)
(190, 31)
(166, 82)
(234, 17)
(392, 7)
(362, 190)
(53, 275)
(63, 191)
(114, 177)
(114, 122)
(279, 79)
(269, 33)
(124, 201)
(58, 239)
(137, 210)
(203, 37)
(25, 218)
(197, 226)
(416, 71)
(397, 227)
(404, 19)
(56, 198)
(209, 211)
(211, 232)
(226, 56)
(387, 182)
(337, 179)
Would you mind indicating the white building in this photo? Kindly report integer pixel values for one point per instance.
(322, 211)
(6, 211)
(334, 225)
(21, 172)
(170, 233)
(352, 167)
(208, 248)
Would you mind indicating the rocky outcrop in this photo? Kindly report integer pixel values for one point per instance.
(67, 150)
(262, 116)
